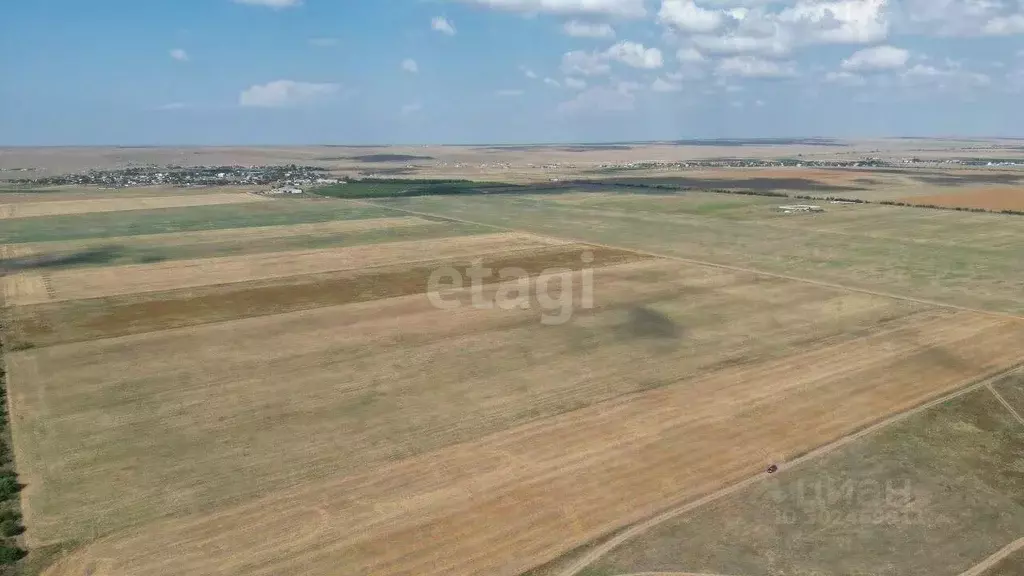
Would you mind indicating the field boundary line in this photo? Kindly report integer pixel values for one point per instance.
(716, 265)
(980, 568)
(642, 527)
(1005, 404)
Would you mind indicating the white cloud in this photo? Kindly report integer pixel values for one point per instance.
(949, 76)
(323, 42)
(876, 58)
(690, 55)
(552, 82)
(442, 25)
(528, 73)
(597, 100)
(838, 21)
(578, 29)
(575, 83)
(1005, 25)
(662, 85)
(753, 67)
(276, 4)
(179, 55)
(618, 8)
(845, 78)
(509, 92)
(409, 65)
(635, 55)
(581, 63)
(777, 44)
(759, 103)
(961, 17)
(411, 108)
(686, 16)
(285, 93)
(173, 106)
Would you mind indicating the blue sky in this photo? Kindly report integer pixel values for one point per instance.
(505, 71)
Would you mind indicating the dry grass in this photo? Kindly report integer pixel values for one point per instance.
(101, 282)
(467, 441)
(191, 239)
(52, 208)
(63, 322)
(946, 480)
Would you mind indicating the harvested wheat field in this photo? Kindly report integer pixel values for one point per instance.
(250, 234)
(393, 437)
(981, 198)
(52, 208)
(100, 282)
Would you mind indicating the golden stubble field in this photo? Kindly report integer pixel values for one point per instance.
(391, 437)
(371, 432)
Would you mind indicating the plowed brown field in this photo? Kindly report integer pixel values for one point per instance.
(984, 198)
(51, 208)
(99, 282)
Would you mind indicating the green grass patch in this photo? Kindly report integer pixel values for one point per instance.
(190, 219)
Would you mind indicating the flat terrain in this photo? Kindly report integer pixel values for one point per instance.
(946, 481)
(987, 198)
(96, 283)
(51, 208)
(270, 388)
(960, 258)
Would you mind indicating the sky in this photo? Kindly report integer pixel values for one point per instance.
(293, 72)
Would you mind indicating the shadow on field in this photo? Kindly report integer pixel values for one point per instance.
(94, 256)
(756, 184)
(959, 179)
(643, 322)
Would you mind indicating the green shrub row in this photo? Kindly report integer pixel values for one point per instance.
(10, 515)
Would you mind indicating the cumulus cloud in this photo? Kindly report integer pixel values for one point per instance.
(961, 17)
(276, 4)
(754, 67)
(636, 55)
(442, 25)
(690, 56)
(686, 16)
(575, 83)
(578, 29)
(662, 85)
(845, 78)
(409, 65)
(528, 73)
(179, 55)
(552, 82)
(582, 63)
(285, 93)
(618, 8)
(876, 58)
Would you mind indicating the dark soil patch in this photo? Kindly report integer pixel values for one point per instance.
(48, 324)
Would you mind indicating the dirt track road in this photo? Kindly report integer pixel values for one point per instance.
(642, 527)
(994, 559)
